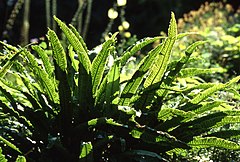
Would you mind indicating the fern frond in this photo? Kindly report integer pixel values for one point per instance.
(58, 52)
(227, 120)
(44, 80)
(189, 72)
(136, 47)
(133, 84)
(46, 61)
(9, 64)
(9, 144)
(159, 66)
(193, 46)
(206, 93)
(74, 30)
(77, 45)
(173, 73)
(206, 142)
(226, 134)
(168, 113)
(99, 62)
(207, 107)
(112, 88)
(75, 62)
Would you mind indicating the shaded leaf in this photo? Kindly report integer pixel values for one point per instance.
(9, 144)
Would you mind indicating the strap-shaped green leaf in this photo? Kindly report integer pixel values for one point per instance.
(189, 72)
(9, 64)
(160, 63)
(193, 46)
(66, 110)
(77, 45)
(152, 136)
(9, 144)
(74, 30)
(200, 142)
(227, 120)
(136, 47)
(112, 88)
(100, 95)
(46, 61)
(44, 80)
(58, 52)
(9, 110)
(168, 113)
(137, 78)
(207, 107)
(75, 62)
(226, 134)
(99, 62)
(173, 73)
(206, 93)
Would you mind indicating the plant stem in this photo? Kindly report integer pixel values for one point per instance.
(25, 27)
(47, 9)
(87, 19)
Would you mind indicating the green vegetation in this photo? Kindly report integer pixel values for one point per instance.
(58, 105)
(219, 24)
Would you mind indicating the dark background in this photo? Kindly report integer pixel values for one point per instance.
(146, 17)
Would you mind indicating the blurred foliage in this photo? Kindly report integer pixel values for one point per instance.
(217, 23)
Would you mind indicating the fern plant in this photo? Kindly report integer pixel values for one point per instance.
(69, 108)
